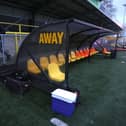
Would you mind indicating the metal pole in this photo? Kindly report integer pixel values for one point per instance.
(3, 49)
(16, 43)
(20, 32)
(117, 37)
(67, 56)
(124, 21)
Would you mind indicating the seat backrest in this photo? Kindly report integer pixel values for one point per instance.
(53, 59)
(32, 67)
(77, 53)
(53, 68)
(61, 59)
(55, 73)
(86, 53)
(73, 54)
(44, 62)
(105, 51)
(81, 53)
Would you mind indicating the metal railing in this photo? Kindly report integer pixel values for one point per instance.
(11, 41)
(9, 45)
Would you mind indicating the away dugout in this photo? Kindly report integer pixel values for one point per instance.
(45, 53)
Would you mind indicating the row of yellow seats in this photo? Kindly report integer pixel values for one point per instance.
(44, 62)
(53, 68)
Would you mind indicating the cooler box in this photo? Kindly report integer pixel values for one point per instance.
(63, 101)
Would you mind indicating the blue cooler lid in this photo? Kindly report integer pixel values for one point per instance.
(64, 95)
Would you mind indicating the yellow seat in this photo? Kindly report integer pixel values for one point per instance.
(72, 56)
(61, 59)
(55, 73)
(53, 59)
(44, 63)
(32, 67)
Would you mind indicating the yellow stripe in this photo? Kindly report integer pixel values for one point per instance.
(22, 33)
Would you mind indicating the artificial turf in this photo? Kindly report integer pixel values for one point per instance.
(102, 84)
